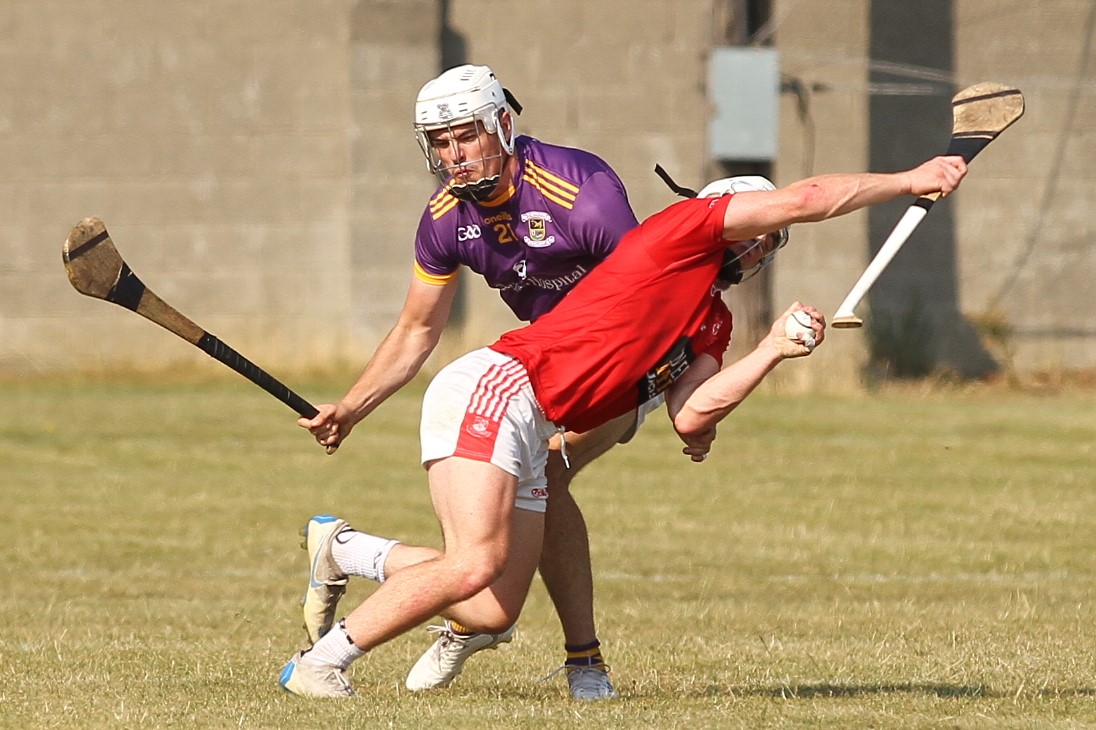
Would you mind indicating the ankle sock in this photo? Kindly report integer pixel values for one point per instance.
(335, 648)
(584, 655)
(462, 630)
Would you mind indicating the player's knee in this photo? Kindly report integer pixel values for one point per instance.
(477, 571)
(498, 610)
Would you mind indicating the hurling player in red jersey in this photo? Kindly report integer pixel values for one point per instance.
(487, 417)
(531, 219)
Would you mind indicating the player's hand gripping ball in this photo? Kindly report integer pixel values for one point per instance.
(798, 329)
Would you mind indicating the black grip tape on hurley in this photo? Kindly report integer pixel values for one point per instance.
(212, 346)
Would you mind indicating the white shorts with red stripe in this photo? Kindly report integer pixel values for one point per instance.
(481, 406)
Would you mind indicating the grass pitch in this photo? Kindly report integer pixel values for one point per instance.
(899, 560)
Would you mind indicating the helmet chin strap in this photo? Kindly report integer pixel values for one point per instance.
(670, 183)
(478, 192)
(730, 272)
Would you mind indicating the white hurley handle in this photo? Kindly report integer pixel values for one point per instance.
(845, 318)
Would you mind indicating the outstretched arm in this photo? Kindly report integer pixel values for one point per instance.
(396, 361)
(822, 197)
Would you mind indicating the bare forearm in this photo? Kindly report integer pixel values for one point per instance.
(397, 360)
(714, 399)
(821, 197)
(829, 196)
(404, 350)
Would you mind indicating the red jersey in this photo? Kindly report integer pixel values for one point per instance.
(633, 324)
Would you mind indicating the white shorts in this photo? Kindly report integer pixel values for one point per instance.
(481, 406)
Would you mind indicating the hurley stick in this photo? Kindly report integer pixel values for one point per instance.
(980, 113)
(96, 269)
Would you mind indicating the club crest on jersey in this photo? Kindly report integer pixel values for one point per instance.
(537, 221)
(480, 426)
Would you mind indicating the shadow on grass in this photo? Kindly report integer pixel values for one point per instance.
(817, 691)
(811, 691)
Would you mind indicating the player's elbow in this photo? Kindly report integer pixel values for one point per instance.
(416, 337)
(808, 203)
(690, 423)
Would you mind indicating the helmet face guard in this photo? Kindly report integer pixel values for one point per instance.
(462, 96)
(741, 259)
(487, 121)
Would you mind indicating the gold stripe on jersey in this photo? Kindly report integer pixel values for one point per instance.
(441, 204)
(553, 187)
(435, 279)
(501, 197)
(563, 184)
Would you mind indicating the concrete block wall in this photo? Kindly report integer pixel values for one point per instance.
(393, 51)
(1023, 222)
(255, 164)
(211, 138)
(823, 128)
(1027, 217)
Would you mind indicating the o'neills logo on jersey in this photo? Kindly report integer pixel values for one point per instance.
(538, 229)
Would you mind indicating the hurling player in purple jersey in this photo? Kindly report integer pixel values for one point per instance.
(532, 219)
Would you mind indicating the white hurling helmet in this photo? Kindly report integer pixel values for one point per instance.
(745, 253)
(459, 96)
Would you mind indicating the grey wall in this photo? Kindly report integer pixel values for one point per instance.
(1013, 251)
(255, 165)
(212, 138)
(1027, 228)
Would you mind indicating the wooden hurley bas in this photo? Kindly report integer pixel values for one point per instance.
(96, 269)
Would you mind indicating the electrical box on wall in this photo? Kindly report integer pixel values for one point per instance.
(744, 88)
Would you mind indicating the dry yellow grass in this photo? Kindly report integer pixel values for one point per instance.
(912, 559)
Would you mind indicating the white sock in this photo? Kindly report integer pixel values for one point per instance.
(362, 554)
(334, 649)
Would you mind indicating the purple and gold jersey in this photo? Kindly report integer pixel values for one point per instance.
(566, 211)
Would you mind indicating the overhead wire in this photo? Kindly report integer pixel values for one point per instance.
(1076, 83)
(1050, 191)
